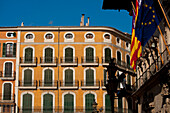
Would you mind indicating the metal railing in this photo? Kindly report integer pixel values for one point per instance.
(69, 60)
(71, 109)
(28, 60)
(69, 84)
(7, 97)
(106, 60)
(48, 60)
(7, 74)
(152, 70)
(22, 83)
(89, 59)
(48, 83)
(90, 83)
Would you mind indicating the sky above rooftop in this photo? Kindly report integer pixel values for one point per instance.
(61, 13)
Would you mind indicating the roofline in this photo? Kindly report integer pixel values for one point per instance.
(68, 28)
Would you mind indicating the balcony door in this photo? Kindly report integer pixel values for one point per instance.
(119, 57)
(68, 55)
(28, 55)
(68, 103)
(89, 99)
(48, 55)
(47, 103)
(89, 77)
(107, 104)
(27, 77)
(27, 103)
(8, 69)
(7, 91)
(107, 55)
(48, 77)
(89, 55)
(69, 77)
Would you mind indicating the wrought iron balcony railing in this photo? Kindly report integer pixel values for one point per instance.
(69, 85)
(90, 61)
(48, 61)
(90, 84)
(7, 75)
(27, 84)
(69, 61)
(7, 98)
(48, 84)
(28, 61)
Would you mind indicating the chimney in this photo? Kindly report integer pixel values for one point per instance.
(82, 20)
(22, 24)
(88, 21)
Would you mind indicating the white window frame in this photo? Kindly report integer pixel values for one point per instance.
(29, 40)
(68, 40)
(49, 40)
(89, 40)
(107, 40)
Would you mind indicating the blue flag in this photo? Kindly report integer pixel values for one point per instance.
(149, 17)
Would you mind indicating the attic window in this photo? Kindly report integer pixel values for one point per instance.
(69, 36)
(11, 34)
(49, 36)
(107, 36)
(118, 40)
(89, 36)
(29, 36)
(127, 44)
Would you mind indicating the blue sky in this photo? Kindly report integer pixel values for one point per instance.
(61, 13)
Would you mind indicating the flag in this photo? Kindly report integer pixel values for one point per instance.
(147, 18)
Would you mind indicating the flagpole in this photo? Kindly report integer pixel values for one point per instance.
(163, 39)
(163, 13)
(160, 55)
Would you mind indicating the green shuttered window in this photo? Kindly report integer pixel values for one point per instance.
(68, 103)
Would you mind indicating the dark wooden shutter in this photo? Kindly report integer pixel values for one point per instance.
(68, 55)
(89, 54)
(118, 58)
(47, 103)
(27, 103)
(4, 50)
(48, 77)
(107, 55)
(7, 91)
(68, 103)
(69, 77)
(14, 50)
(48, 55)
(128, 61)
(29, 55)
(8, 69)
(107, 103)
(105, 76)
(28, 77)
(89, 77)
(89, 99)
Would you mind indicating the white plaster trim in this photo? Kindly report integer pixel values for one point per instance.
(49, 40)
(118, 44)
(89, 40)
(68, 92)
(107, 40)
(42, 99)
(28, 92)
(94, 74)
(9, 42)
(68, 40)
(95, 96)
(3, 88)
(9, 32)
(12, 68)
(29, 40)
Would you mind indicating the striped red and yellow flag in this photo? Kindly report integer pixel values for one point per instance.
(136, 48)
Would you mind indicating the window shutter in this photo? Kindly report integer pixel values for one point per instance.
(28, 77)
(8, 69)
(48, 55)
(68, 103)
(89, 99)
(89, 77)
(89, 55)
(4, 50)
(27, 103)
(68, 55)
(47, 103)
(14, 50)
(48, 78)
(107, 103)
(7, 91)
(69, 77)
(107, 55)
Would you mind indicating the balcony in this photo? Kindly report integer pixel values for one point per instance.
(90, 61)
(7, 98)
(45, 85)
(7, 76)
(27, 85)
(87, 85)
(105, 62)
(31, 62)
(50, 61)
(69, 85)
(66, 61)
(153, 73)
